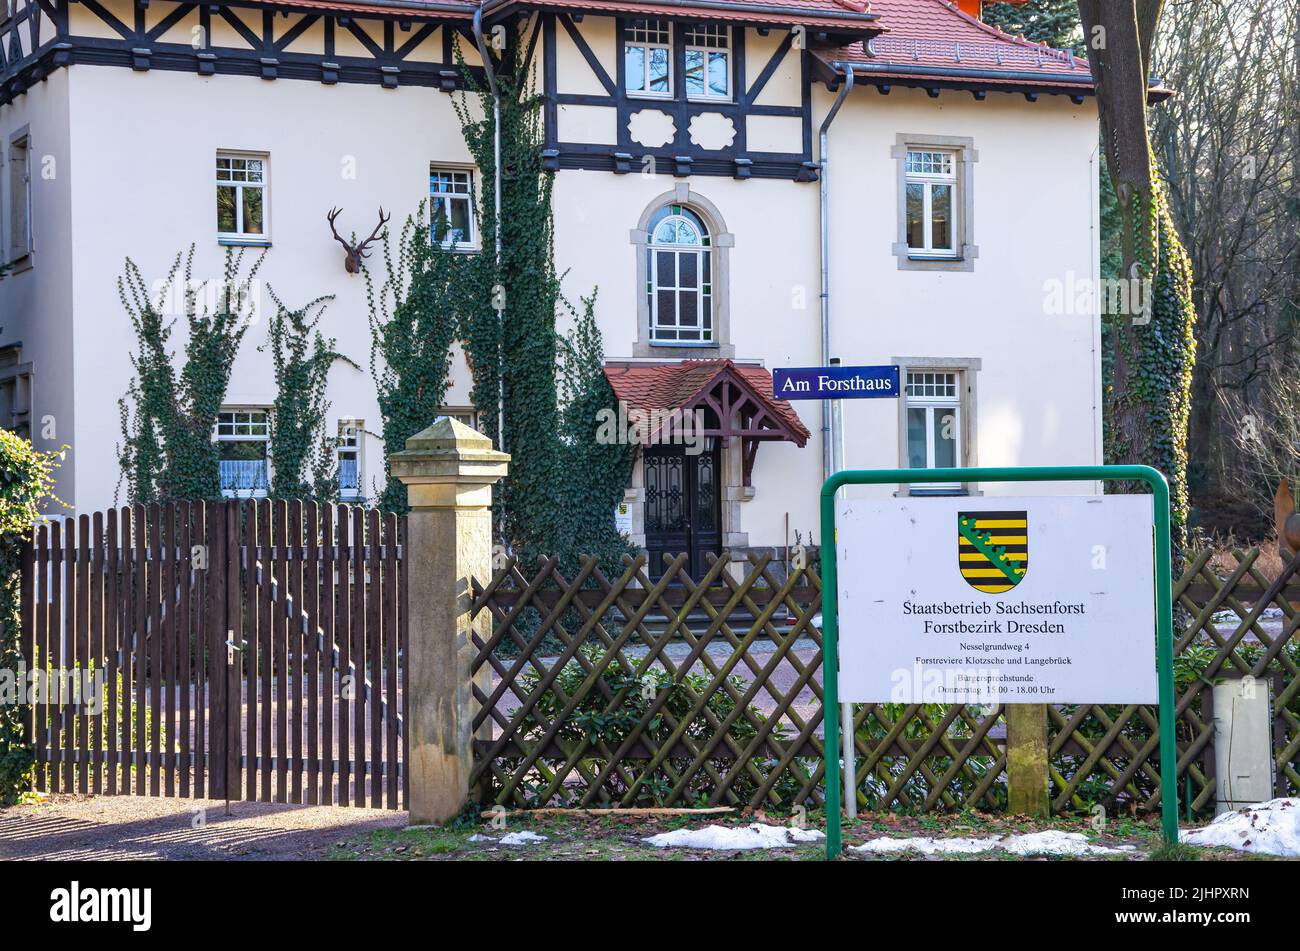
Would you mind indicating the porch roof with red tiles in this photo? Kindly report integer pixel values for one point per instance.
(683, 385)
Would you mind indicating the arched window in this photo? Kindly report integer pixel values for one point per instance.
(679, 277)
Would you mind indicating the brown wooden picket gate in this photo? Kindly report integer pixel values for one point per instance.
(222, 650)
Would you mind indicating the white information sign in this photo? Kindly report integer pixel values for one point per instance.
(1047, 599)
(623, 518)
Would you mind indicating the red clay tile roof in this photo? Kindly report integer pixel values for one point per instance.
(667, 386)
(827, 14)
(415, 9)
(850, 15)
(934, 33)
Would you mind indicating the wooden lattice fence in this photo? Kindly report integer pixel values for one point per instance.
(598, 688)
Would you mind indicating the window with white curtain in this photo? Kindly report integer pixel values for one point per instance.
(243, 450)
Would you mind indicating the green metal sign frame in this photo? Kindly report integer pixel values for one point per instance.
(1163, 595)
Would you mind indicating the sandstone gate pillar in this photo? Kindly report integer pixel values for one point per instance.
(448, 470)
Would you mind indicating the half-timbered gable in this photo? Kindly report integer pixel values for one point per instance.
(328, 42)
(685, 92)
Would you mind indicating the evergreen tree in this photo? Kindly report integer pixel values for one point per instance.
(1054, 22)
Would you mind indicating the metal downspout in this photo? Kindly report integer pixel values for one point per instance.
(832, 447)
(827, 434)
(481, 42)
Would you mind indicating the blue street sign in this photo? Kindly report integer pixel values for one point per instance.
(834, 383)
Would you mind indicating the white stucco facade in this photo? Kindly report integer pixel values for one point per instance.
(132, 157)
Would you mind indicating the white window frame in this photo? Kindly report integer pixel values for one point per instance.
(709, 40)
(639, 33)
(235, 412)
(351, 439)
(934, 402)
(19, 155)
(471, 241)
(928, 179)
(240, 236)
(708, 330)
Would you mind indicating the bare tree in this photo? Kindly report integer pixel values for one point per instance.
(1227, 144)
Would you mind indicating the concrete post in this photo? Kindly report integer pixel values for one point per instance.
(1027, 760)
(448, 470)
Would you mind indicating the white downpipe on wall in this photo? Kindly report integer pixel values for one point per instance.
(823, 146)
(481, 42)
(832, 425)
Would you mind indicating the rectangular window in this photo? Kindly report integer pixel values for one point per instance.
(349, 459)
(931, 181)
(20, 198)
(934, 423)
(244, 442)
(242, 198)
(15, 392)
(647, 58)
(462, 414)
(451, 192)
(708, 63)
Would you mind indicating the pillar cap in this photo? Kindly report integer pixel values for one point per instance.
(449, 452)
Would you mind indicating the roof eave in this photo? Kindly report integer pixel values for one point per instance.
(762, 13)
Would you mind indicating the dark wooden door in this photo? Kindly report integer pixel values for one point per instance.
(683, 512)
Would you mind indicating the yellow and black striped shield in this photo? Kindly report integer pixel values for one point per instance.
(993, 549)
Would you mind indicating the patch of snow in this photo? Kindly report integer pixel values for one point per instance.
(731, 838)
(1051, 842)
(521, 838)
(476, 837)
(1272, 828)
(929, 846)
(1055, 842)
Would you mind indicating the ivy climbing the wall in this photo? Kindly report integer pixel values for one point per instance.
(302, 450)
(167, 417)
(413, 323)
(524, 371)
(595, 472)
(26, 480)
(516, 359)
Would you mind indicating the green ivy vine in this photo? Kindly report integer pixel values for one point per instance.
(1148, 404)
(302, 449)
(26, 481)
(560, 494)
(167, 417)
(413, 323)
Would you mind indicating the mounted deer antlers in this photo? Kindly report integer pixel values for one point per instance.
(356, 252)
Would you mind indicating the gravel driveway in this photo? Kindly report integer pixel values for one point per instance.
(131, 827)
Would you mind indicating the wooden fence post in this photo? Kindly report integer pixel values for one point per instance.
(448, 470)
(1027, 759)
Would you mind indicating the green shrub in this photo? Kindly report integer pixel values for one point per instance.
(26, 480)
(608, 725)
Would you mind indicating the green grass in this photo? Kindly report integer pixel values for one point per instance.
(606, 837)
